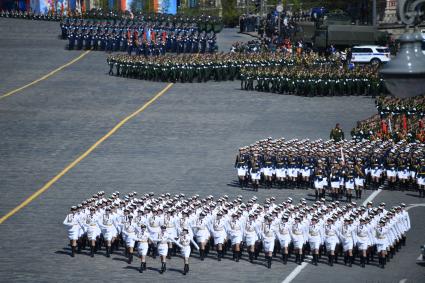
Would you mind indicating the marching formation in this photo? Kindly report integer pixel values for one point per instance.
(142, 37)
(28, 15)
(397, 120)
(332, 168)
(318, 80)
(203, 67)
(164, 224)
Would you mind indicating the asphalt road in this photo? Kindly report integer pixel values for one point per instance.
(185, 141)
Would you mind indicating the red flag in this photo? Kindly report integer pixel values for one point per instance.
(62, 9)
(83, 6)
(153, 36)
(164, 36)
(384, 127)
(404, 122)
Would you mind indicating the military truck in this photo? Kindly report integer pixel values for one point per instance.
(337, 29)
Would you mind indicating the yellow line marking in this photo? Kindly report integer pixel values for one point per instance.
(45, 76)
(84, 155)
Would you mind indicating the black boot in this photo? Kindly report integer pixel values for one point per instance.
(201, 254)
(350, 260)
(251, 257)
(92, 251)
(130, 258)
(72, 251)
(163, 267)
(79, 244)
(331, 260)
(362, 261)
(315, 259)
(384, 262)
(169, 254)
(141, 268)
(285, 258)
(185, 269)
(144, 266)
(108, 251)
(269, 261)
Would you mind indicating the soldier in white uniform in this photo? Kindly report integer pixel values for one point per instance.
(315, 236)
(235, 231)
(129, 235)
(184, 241)
(201, 233)
(382, 242)
(74, 227)
(297, 236)
(283, 234)
(107, 225)
(363, 240)
(154, 224)
(347, 240)
(331, 239)
(143, 238)
(90, 223)
(169, 221)
(268, 237)
(250, 236)
(219, 233)
(406, 223)
(162, 241)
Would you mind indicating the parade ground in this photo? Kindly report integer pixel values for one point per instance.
(68, 130)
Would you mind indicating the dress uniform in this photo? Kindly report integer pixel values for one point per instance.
(72, 222)
(268, 238)
(92, 229)
(235, 231)
(347, 236)
(352, 225)
(250, 236)
(184, 241)
(219, 232)
(381, 241)
(109, 231)
(201, 233)
(129, 235)
(162, 241)
(315, 238)
(297, 236)
(363, 240)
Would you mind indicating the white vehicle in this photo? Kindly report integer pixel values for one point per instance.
(370, 54)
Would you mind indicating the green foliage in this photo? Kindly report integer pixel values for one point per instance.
(230, 13)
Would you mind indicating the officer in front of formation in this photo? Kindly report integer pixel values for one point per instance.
(336, 134)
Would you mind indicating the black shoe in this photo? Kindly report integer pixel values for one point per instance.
(92, 251)
(72, 251)
(108, 251)
(141, 268)
(130, 259)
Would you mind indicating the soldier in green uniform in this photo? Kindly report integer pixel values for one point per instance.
(336, 133)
